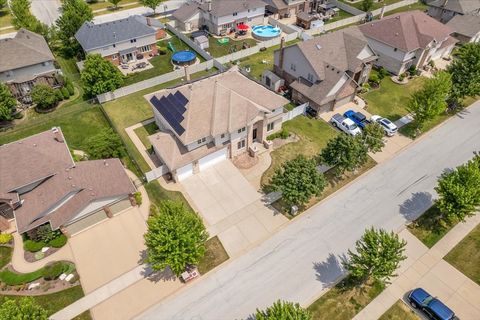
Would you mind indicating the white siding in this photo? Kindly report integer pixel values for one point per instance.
(241, 15)
(212, 159)
(125, 45)
(184, 172)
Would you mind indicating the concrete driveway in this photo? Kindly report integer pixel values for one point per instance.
(109, 249)
(231, 207)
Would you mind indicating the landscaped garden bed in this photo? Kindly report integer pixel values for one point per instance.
(42, 242)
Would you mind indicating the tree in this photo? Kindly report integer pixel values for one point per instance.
(283, 310)
(44, 96)
(465, 71)
(459, 191)
(373, 134)
(23, 18)
(175, 238)
(74, 14)
(99, 75)
(431, 100)
(367, 5)
(152, 4)
(115, 3)
(3, 4)
(377, 255)
(345, 152)
(7, 103)
(298, 180)
(24, 309)
(105, 144)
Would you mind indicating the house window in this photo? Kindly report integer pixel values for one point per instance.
(394, 49)
(201, 140)
(270, 126)
(114, 45)
(241, 144)
(133, 40)
(145, 49)
(241, 130)
(114, 56)
(235, 14)
(293, 67)
(310, 77)
(222, 136)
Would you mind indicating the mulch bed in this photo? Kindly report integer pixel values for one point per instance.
(30, 256)
(45, 287)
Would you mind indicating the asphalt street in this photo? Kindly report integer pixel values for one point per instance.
(302, 259)
(47, 11)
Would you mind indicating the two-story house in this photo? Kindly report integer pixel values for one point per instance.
(287, 8)
(466, 28)
(121, 41)
(26, 60)
(408, 39)
(445, 10)
(218, 16)
(326, 71)
(212, 119)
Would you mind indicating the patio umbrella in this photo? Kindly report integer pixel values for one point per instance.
(242, 27)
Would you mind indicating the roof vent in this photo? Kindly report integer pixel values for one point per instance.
(396, 34)
(34, 144)
(73, 186)
(54, 129)
(318, 46)
(70, 178)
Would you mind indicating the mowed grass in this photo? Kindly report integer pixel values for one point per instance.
(376, 4)
(343, 302)
(390, 100)
(341, 15)
(465, 256)
(400, 311)
(217, 49)
(144, 131)
(214, 256)
(56, 301)
(5, 18)
(416, 6)
(5, 255)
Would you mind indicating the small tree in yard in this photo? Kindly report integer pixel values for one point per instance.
(459, 191)
(298, 180)
(105, 144)
(175, 238)
(7, 103)
(373, 137)
(367, 5)
(377, 255)
(465, 71)
(283, 310)
(74, 14)
(3, 4)
(100, 76)
(115, 3)
(345, 153)
(152, 4)
(44, 96)
(24, 309)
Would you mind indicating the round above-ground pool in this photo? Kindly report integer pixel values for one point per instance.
(267, 32)
(184, 58)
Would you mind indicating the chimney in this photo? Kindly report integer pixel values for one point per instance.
(58, 136)
(382, 13)
(187, 74)
(280, 58)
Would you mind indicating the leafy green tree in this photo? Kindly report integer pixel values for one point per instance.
(465, 71)
(175, 238)
(23, 18)
(44, 96)
(74, 14)
(152, 4)
(115, 3)
(99, 75)
(431, 100)
(367, 5)
(373, 134)
(7, 103)
(105, 144)
(22, 309)
(283, 310)
(298, 180)
(3, 4)
(377, 255)
(345, 153)
(459, 191)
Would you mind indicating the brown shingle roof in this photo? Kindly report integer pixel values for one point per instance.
(220, 8)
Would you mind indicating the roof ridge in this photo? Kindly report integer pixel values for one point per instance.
(214, 106)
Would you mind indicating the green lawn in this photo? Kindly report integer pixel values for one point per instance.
(57, 301)
(5, 18)
(417, 6)
(219, 50)
(343, 302)
(400, 311)
(12, 278)
(428, 229)
(96, 5)
(466, 255)
(376, 5)
(390, 100)
(214, 256)
(145, 131)
(157, 194)
(341, 15)
(5, 255)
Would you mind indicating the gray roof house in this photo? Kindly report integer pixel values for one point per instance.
(120, 41)
(444, 10)
(466, 28)
(25, 61)
(287, 8)
(218, 16)
(326, 71)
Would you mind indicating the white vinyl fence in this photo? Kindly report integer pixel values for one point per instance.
(156, 173)
(301, 109)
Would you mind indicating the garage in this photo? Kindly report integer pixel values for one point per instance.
(120, 206)
(212, 159)
(86, 222)
(343, 101)
(184, 172)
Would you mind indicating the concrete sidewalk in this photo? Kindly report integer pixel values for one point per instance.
(427, 269)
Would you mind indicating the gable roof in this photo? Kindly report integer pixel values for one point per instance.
(186, 11)
(25, 49)
(467, 25)
(92, 36)
(407, 31)
(459, 6)
(219, 8)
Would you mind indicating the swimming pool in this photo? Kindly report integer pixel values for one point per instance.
(184, 58)
(267, 32)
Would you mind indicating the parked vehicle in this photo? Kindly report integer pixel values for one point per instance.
(345, 124)
(389, 127)
(432, 307)
(311, 112)
(359, 118)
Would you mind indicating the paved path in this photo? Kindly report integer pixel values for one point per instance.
(300, 262)
(138, 143)
(47, 11)
(431, 272)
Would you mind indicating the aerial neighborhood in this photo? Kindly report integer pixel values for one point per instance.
(240, 159)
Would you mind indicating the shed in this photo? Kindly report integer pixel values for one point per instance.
(202, 41)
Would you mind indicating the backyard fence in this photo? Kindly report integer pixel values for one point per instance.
(288, 29)
(189, 42)
(301, 109)
(346, 7)
(156, 173)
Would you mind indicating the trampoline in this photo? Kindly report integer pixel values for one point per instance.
(184, 58)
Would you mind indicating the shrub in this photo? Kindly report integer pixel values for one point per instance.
(412, 70)
(138, 198)
(33, 246)
(401, 77)
(58, 94)
(68, 268)
(58, 242)
(382, 73)
(14, 279)
(53, 271)
(44, 96)
(375, 79)
(70, 88)
(282, 134)
(366, 87)
(5, 238)
(65, 93)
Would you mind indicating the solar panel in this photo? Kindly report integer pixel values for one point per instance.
(169, 105)
(181, 98)
(162, 106)
(178, 102)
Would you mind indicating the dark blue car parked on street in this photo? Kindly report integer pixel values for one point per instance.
(359, 118)
(433, 308)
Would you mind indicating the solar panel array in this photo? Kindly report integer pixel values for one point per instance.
(172, 108)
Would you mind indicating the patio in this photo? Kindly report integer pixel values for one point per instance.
(134, 66)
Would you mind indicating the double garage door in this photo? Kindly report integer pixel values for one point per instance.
(203, 163)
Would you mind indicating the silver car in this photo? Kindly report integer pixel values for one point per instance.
(388, 126)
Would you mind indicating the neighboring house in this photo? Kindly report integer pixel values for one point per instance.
(408, 39)
(328, 70)
(465, 28)
(25, 61)
(212, 119)
(444, 10)
(287, 8)
(218, 16)
(120, 41)
(40, 183)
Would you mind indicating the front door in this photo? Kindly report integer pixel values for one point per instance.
(254, 134)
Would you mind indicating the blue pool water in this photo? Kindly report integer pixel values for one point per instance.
(183, 57)
(268, 31)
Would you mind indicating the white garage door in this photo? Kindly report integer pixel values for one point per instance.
(184, 172)
(343, 101)
(212, 159)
